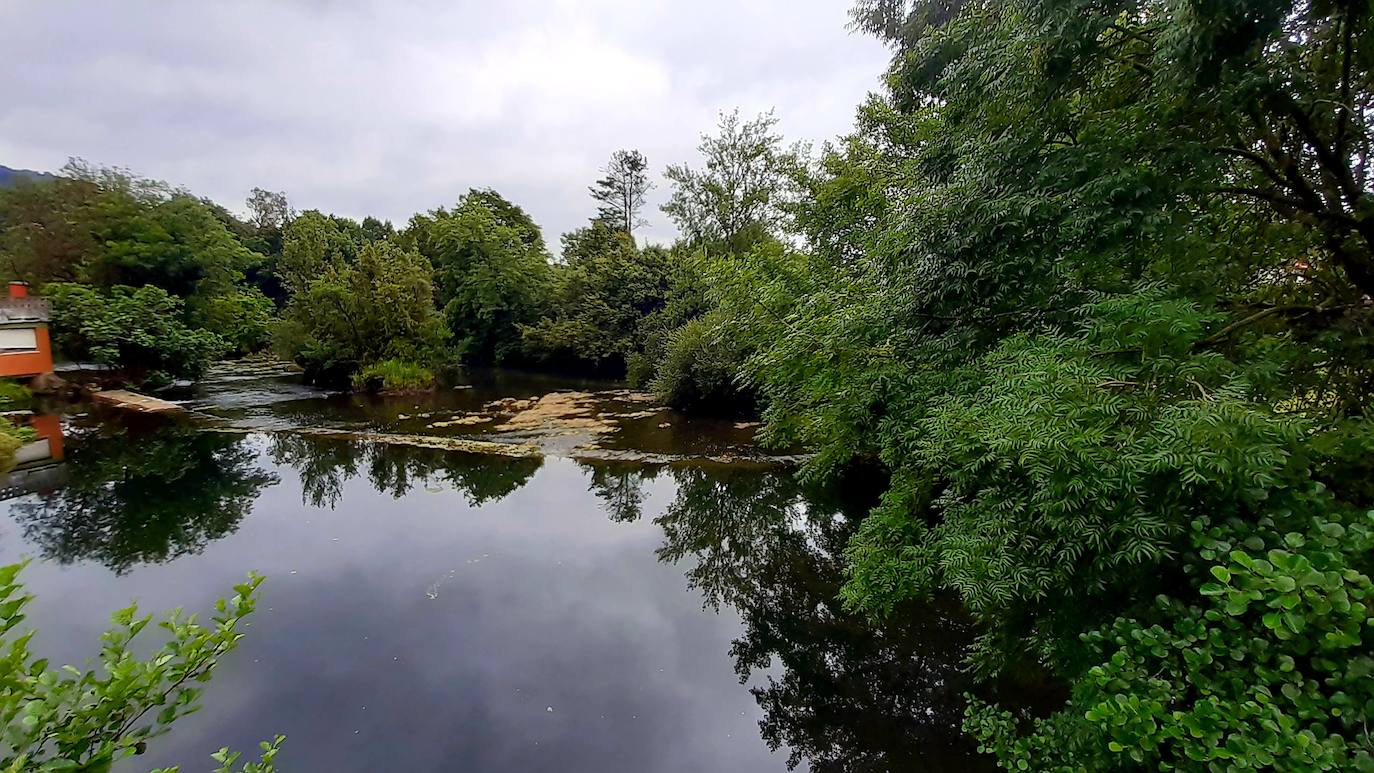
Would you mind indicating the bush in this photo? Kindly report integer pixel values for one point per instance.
(68, 719)
(700, 371)
(394, 376)
(11, 439)
(14, 395)
(137, 330)
(1269, 665)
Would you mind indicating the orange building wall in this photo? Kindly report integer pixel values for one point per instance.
(50, 427)
(29, 363)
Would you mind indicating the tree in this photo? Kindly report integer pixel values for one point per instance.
(1053, 287)
(742, 187)
(44, 235)
(622, 189)
(491, 270)
(314, 243)
(604, 287)
(268, 210)
(139, 331)
(375, 230)
(379, 306)
(146, 232)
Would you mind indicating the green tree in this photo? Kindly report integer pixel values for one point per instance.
(314, 243)
(604, 287)
(241, 316)
(621, 191)
(139, 331)
(491, 270)
(43, 232)
(740, 192)
(379, 306)
(268, 211)
(149, 233)
(1087, 280)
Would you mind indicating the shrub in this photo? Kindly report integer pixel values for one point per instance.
(394, 376)
(11, 439)
(1269, 665)
(138, 330)
(14, 395)
(700, 371)
(68, 719)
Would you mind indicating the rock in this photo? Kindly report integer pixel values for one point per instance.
(462, 421)
(132, 401)
(179, 387)
(50, 384)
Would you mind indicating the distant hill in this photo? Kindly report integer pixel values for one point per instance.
(8, 176)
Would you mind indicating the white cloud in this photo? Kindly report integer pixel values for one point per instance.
(391, 108)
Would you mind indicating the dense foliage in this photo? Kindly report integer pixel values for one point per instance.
(69, 719)
(148, 278)
(1090, 280)
(140, 330)
(352, 314)
(491, 269)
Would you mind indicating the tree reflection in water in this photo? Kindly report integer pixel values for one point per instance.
(325, 464)
(138, 497)
(620, 487)
(842, 693)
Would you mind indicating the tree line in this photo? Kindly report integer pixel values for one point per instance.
(156, 282)
(1090, 283)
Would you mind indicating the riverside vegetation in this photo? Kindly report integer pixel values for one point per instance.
(1092, 284)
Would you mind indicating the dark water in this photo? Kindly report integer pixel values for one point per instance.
(427, 610)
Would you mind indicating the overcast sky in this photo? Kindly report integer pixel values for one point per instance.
(386, 108)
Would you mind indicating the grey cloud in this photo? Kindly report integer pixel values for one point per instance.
(392, 108)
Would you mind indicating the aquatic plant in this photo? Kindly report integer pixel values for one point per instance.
(393, 375)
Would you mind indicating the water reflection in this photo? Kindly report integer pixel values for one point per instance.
(836, 692)
(840, 693)
(38, 466)
(326, 464)
(620, 487)
(136, 498)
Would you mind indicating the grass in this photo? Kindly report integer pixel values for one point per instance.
(394, 376)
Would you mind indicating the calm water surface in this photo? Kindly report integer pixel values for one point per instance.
(428, 610)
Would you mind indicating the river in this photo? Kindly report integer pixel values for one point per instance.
(603, 586)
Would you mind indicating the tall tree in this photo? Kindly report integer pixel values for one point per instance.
(742, 187)
(268, 210)
(621, 191)
(491, 271)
